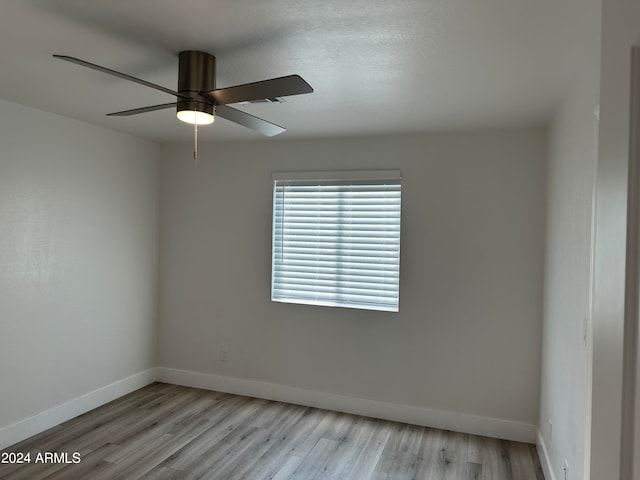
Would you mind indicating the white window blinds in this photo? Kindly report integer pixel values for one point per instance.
(336, 241)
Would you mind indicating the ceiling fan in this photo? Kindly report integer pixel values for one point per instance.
(198, 99)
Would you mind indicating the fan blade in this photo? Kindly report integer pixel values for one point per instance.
(249, 121)
(135, 111)
(276, 87)
(119, 75)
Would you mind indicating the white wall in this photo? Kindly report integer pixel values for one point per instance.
(467, 338)
(78, 265)
(620, 30)
(565, 390)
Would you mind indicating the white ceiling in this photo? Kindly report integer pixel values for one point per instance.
(376, 65)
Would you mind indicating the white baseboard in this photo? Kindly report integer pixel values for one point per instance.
(490, 427)
(42, 421)
(544, 457)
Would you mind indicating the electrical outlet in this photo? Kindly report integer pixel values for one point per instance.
(566, 470)
(224, 355)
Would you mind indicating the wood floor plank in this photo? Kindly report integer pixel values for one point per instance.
(405, 465)
(231, 416)
(285, 472)
(176, 417)
(162, 473)
(337, 436)
(135, 461)
(220, 458)
(283, 453)
(342, 460)
(152, 422)
(391, 448)
(431, 464)
(455, 455)
(474, 471)
(411, 439)
(494, 464)
(381, 475)
(312, 463)
(521, 462)
(369, 456)
(474, 449)
(505, 454)
(171, 432)
(406, 460)
(220, 455)
(322, 427)
(270, 432)
(535, 460)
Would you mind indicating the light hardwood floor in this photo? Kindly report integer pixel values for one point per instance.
(170, 432)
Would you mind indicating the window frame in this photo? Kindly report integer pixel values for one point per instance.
(389, 281)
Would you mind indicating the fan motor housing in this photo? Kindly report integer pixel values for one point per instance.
(196, 73)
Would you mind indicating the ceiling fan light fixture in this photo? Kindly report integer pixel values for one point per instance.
(195, 112)
(195, 117)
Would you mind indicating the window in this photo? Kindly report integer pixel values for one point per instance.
(336, 239)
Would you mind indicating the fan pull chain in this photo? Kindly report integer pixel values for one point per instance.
(195, 139)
